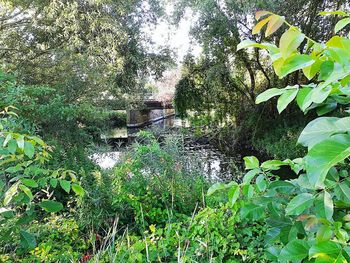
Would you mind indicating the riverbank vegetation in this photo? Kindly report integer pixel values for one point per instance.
(278, 88)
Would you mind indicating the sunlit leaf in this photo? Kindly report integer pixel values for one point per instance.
(268, 94)
(324, 155)
(287, 97)
(290, 41)
(341, 24)
(274, 24)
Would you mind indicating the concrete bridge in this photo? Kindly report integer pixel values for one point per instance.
(153, 110)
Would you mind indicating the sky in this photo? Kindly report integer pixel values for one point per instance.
(177, 37)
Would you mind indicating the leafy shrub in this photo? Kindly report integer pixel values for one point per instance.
(212, 235)
(307, 218)
(156, 182)
(28, 188)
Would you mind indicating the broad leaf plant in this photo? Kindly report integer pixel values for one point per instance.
(27, 186)
(308, 217)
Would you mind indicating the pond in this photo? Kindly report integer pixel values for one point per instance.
(217, 165)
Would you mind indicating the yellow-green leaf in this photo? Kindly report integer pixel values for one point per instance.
(274, 24)
(259, 26)
(290, 41)
(341, 24)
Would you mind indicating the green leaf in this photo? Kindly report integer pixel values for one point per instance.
(299, 204)
(324, 155)
(29, 149)
(295, 250)
(248, 191)
(216, 187)
(250, 175)
(12, 146)
(341, 24)
(323, 128)
(342, 192)
(7, 139)
(20, 142)
(324, 206)
(328, 205)
(290, 41)
(10, 193)
(251, 162)
(53, 182)
(78, 189)
(233, 194)
(252, 211)
(326, 70)
(273, 164)
(287, 97)
(311, 71)
(65, 185)
(51, 206)
(338, 12)
(268, 94)
(325, 250)
(303, 98)
(27, 191)
(29, 182)
(295, 63)
(324, 233)
(28, 241)
(261, 183)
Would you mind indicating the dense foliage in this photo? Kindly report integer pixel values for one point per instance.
(309, 219)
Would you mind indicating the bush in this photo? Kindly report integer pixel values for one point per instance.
(212, 235)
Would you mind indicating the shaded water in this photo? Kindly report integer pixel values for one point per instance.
(217, 165)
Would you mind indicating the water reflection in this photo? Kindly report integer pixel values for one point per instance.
(216, 165)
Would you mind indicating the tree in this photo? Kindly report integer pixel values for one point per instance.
(87, 50)
(222, 25)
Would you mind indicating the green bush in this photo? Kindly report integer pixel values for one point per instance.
(212, 235)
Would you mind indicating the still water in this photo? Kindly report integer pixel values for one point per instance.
(217, 165)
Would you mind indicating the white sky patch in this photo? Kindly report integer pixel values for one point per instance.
(176, 37)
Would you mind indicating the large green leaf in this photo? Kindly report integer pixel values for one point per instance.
(325, 250)
(295, 250)
(324, 155)
(233, 194)
(324, 206)
(29, 182)
(249, 43)
(287, 97)
(65, 185)
(51, 206)
(252, 211)
(78, 189)
(290, 41)
(304, 100)
(299, 204)
(268, 94)
(295, 63)
(251, 162)
(27, 240)
(322, 128)
(342, 192)
(216, 187)
(247, 178)
(29, 149)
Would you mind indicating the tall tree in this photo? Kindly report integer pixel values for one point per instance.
(223, 24)
(89, 50)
